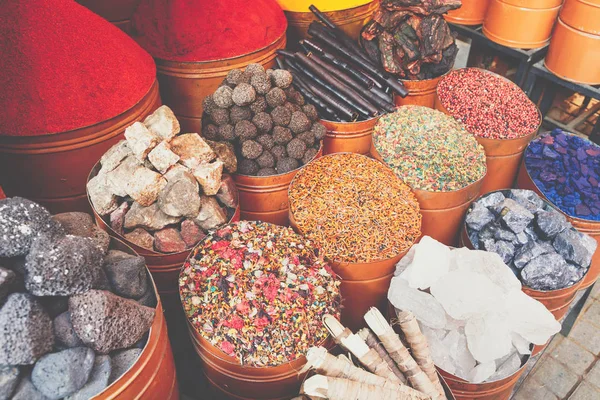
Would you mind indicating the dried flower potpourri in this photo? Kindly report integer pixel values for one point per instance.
(489, 105)
(355, 208)
(258, 292)
(428, 149)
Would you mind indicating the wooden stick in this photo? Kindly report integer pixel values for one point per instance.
(419, 347)
(371, 341)
(343, 389)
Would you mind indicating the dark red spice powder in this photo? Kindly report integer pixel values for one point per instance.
(202, 30)
(63, 67)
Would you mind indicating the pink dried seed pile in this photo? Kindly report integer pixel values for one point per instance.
(490, 106)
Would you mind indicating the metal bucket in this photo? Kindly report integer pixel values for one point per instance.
(184, 85)
(510, 24)
(420, 92)
(118, 12)
(52, 169)
(583, 15)
(472, 12)
(348, 137)
(265, 198)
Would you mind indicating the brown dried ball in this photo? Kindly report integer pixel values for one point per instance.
(269, 73)
(266, 172)
(282, 78)
(266, 141)
(245, 77)
(226, 132)
(237, 114)
(292, 107)
(260, 83)
(275, 97)
(282, 135)
(318, 130)
(255, 68)
(243, 94)
(263, 122)
(251, 149)
(294, 96)
(307, 137)
(281, 116)
(287, 164)
(245, 130)
(208, 104)
(259, 105)
(247, 167)
(211, 132)
(311, 112)
(278, 152)
(234, 77)
(266, 160)
(296, 148)
(309, 155)
(222, 97)
(299, 122)
(220, 116)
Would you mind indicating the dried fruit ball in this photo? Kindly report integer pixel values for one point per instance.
(266, 172)
(311, 112)
(245, 77)
(251, 149)
(247, 167)
(318, 130)
(278, 152)
(266, 159)
(260, 83)
(309, 155)
(299, 122)
(237, 114)
(255, 68)
(211, 132)
(245, 130)
(243, 94)
(269, 73)
(275, 97)
(266, 141)
(282, 78)
(234, 77)
(307, 137)
(220, 116)
(259, 105)
(227, 132)
(282, 135)
(263, 122)
(292, 107)
(287, 164)
(208, 105)
(222, 97)
(296, 148)
(281, 116)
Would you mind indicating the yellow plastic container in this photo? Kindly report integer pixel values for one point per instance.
(323, 5)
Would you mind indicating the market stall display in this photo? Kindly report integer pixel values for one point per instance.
(79, 308)
(254, 295)
(441, 162)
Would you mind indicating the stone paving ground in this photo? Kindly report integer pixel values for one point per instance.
(570, 366)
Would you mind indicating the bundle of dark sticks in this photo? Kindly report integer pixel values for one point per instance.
(337, 76)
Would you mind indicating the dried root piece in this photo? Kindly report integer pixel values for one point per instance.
(320, 386)
(371, 341)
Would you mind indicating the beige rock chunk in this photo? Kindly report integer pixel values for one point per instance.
(120, 177)
(151, 218)
(113, 157)
(192, 150)
(162, 157)
(101, 196)
(209, 177)
(145, 186)
(141, 237)
(180, 198)
(175, 171)
(226, 154)
(141, 141)
(211, 214)
(163, 123)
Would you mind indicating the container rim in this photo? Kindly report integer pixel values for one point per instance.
(440, 77)
(318, 155)
(353, 122)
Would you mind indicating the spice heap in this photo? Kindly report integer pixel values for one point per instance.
(183, 30)
(74, 313)
(354, 208)
(391, 371)
(478, 322)
(163, 190)
(566, 169)
(411, 38)
(49, 63)
(258, 291)
(489, 105)
(531, 237)
(428, 149)
(271, 128)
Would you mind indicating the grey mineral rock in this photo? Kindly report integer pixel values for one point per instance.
(64, 333)
(491, 200)
(8, 283)
(122, 361)
(82, 224)
(546, 272)
(126, 273)
(98, 380)
(575, 246)
(530, 251)
(527, 198)
(513, 215)
(148, 299)
(152, 217)
(25, 330)
(478, 216)
(505, 250)
(9, 378)
(26, 391)
(550, 223)
(505, 234)
(181, 197)
(61, 374)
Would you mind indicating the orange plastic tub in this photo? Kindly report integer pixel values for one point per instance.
(420, 92)
(348, 137)
(583, 15)
(472, 12)
(521, 24)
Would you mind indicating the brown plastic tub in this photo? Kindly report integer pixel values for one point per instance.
(348, 137)
(591, 228)
(521, 24)
(152, 376)
(472, 12)
(265, 198)
(420, 92)
(184, 85)
(583, 15)
(52, 169)
(574, 55)
(119, 12)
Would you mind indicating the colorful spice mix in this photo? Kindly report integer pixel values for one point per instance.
(489, 105)
(58, 79)
(355, 208)
(566, 168)
(258, 292)
(184, 30)
(429, 150)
